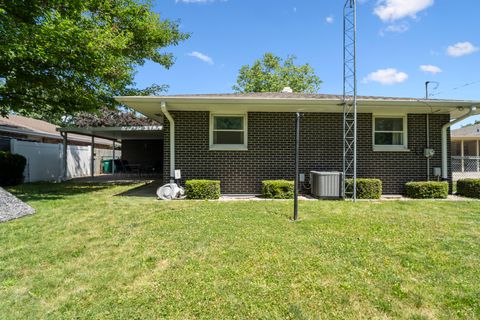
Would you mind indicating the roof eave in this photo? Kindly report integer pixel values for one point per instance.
(277, 100)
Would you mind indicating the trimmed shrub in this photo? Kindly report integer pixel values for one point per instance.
(11, 168)
(427, 190)
(368, 188)
(468, 188)
(278, 189)
(202, 189)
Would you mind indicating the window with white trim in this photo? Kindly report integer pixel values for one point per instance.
(228, 132)
(390, 133)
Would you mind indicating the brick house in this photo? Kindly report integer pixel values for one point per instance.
(242, 139)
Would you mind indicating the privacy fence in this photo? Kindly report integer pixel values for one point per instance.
(45, 160)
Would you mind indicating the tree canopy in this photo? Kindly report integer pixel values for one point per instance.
(272, 74)
(110, 118)
(60, 57)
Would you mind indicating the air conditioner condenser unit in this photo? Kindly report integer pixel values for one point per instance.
(326, 185)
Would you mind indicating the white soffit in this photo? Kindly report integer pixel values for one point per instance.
(150, 106)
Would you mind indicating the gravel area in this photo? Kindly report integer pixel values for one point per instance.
(246, 197)
(451, 197)
(12, 208)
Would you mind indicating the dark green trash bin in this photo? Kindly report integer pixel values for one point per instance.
(107, 166)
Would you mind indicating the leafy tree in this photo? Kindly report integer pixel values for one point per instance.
(471, 124)
(271, 75)
(59, 57)
(106, 117)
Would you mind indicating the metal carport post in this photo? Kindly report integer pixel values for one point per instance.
(113, 158)
(92, 158)
(65, 154)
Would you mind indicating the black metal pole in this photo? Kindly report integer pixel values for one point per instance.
(427, 120)
(297, 151)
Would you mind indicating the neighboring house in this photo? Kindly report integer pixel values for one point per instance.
(242, 139)
(29, 129)
(466, 152)
(42, 146)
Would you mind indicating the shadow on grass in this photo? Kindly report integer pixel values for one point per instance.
(148, 190)
(56, 191)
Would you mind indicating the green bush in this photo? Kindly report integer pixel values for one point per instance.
(277, 189)
(367, 188)
(202, 189)
(11, 168)
(468, 188)
(427, 190)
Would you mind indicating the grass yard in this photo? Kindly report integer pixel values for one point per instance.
(91, 255)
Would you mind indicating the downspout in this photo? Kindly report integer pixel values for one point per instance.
(472, 111)
(172, 140)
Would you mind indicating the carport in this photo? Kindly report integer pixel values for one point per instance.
(141, 146)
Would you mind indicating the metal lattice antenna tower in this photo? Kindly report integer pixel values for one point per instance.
(350, 98)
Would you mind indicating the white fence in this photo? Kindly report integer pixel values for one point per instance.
(45, 160)
(465, 167)
(78, 161)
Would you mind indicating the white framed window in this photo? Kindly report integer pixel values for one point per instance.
(390, 133)
(228, 131)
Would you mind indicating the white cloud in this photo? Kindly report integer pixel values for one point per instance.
(461, 49)
(386, 76)
(430, 69)
(330, 19)
(392, 10)
(198, 1)
(201, 56)
(398, 28)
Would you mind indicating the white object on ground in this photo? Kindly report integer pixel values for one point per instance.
(170, 191)
(11, 207)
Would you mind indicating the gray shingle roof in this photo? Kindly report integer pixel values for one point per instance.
(285, 95)
(41, 128)
(467, 132)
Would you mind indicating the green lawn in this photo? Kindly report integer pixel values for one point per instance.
(93, 255)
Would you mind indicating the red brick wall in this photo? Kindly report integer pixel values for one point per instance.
(270, 152)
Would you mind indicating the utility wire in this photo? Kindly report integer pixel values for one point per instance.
(445, 91)
(456, 88)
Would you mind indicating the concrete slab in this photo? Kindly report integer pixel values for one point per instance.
(118, 178)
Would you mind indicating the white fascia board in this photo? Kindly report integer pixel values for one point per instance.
(465, 138)
(91, 130)
(150, 106)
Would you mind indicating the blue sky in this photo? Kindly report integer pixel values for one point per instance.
(396, 40)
